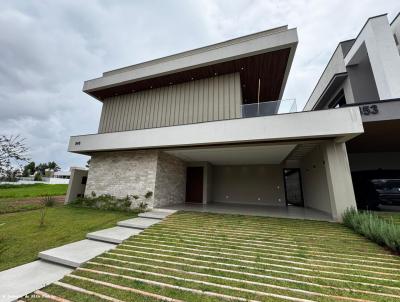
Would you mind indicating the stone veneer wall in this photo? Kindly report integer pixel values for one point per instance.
(170, 180)
(122, 173)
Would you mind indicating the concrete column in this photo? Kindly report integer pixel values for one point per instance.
(76, 187)
(340, 185)
(377, 42)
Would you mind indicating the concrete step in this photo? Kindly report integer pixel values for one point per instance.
(113, 235)
(157, 214)
(24, 279)
(138, 223)
(76, 253)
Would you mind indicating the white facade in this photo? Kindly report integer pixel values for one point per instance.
(202, 126)
(364, 69)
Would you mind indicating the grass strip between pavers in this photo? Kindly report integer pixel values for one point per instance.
(297, 253)
(296, 264)
(308, 289)
(257, 256)
(345, 247)
(185, 258)
(271, 247)
(288, 241)
(270, 275)
(212, 257)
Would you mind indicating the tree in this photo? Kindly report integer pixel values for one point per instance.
(29, 169)
(41, 168)
(13, 152)
(53, 166)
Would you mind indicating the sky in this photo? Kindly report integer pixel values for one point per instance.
(48, 48)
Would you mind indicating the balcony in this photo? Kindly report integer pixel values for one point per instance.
(268, 108)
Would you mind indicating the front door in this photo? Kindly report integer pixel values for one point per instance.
(194, 184)
(293, 187)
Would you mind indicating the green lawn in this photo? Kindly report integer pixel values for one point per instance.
(34, 190)
(21, 237)
(213, 257)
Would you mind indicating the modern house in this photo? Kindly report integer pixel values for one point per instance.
(209, 126)
(364, 73)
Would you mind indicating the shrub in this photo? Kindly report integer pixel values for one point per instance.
(148, 194)
(42, 216)
(48, 201)
(105, 202)
(37, 177)
(382, 231)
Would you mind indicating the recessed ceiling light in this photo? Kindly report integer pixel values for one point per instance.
(216, 73)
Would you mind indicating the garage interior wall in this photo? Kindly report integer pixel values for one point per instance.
(248, 184)
(315, 183)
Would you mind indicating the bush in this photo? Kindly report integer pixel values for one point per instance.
(382, 231)
(105, 202)
(37, 177)
(48, 201)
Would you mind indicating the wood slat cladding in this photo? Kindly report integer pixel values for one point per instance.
(268, 67)
(210, 99)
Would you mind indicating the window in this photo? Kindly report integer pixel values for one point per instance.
(338, 101)
(84, 180)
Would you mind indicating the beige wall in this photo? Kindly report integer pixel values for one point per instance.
(253, 184)
(314, 180)
(75, 186)
(210, 99)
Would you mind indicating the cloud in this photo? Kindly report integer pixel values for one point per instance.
(48, 48)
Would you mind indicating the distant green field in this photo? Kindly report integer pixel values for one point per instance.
(34, 190)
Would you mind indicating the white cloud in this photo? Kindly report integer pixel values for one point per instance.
(48, 48)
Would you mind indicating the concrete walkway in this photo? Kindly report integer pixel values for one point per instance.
(292, 212)
(55, 263)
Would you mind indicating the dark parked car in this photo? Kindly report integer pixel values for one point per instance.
(378, 187)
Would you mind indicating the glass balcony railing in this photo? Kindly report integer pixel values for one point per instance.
(269, 108)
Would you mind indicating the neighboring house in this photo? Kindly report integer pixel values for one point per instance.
(364, 73)
(205, 126)
(62, 174)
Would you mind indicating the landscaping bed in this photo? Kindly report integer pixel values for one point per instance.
(214, 257)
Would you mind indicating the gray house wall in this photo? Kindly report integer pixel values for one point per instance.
(210, 99)
(251, 184)
(362, 81)
(314, 180)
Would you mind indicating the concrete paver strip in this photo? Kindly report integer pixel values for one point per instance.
(76, 253)
(24, 279)
(157, 214)
(138, 223)
(113, 235)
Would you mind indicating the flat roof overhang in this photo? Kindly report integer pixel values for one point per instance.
(330, 89)
(379, 136)
(339, 124)
(267, 55)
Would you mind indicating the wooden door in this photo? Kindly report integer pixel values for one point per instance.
(194, 184)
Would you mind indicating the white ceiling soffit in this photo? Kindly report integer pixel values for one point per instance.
(248, 155)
